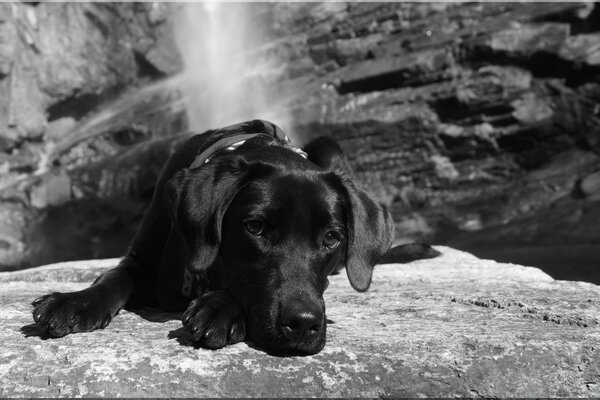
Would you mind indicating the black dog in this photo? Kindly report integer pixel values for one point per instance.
(243, 230)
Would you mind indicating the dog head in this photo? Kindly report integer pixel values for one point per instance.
(270, 226)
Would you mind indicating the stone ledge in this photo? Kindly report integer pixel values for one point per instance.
(451, 326)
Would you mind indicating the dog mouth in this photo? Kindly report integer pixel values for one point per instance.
(276, 339)
(279, 345)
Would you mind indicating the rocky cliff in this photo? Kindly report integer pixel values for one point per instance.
(65, 68)
(477, 123)
(450, 326)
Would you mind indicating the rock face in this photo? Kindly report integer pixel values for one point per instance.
(474, 122)
(451, 326)
(62, 69)
(72, 57)
(462, 117)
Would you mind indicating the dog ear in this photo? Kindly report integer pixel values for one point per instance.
(197, 199)
(369, 225)
(370, 231)
(327, 154)
(172, 193)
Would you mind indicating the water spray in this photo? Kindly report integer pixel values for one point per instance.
(226, 80)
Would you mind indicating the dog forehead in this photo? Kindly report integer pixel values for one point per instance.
(307, 186)
(305, 194)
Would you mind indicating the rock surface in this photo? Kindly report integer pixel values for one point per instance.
(474, 122)
(451, 326)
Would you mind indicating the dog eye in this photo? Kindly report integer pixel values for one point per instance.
(331, 240)
(254, 226)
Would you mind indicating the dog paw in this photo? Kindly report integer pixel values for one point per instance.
(215, 320)
(59, 314)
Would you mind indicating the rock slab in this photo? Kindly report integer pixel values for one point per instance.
(451, 326)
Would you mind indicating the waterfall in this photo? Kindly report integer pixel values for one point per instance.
(227, 79)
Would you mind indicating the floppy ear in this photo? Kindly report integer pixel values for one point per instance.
(370, 233)
(327, 154)
(196, 201)
(172, 193)
(369, 224)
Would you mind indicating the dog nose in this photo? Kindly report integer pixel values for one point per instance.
(301, 318)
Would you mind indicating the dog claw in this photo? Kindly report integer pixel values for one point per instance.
(215, 320)
(237, 332)
(39, 300)
(59, 314)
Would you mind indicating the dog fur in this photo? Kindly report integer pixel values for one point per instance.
(243, 240)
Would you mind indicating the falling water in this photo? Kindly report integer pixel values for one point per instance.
(226, 79)
(230, 74)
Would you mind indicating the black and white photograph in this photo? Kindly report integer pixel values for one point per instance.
(317, 199)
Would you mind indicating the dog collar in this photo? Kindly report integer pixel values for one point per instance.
(231, 143)
(228, 142)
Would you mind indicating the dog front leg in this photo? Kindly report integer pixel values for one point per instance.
(59, 314)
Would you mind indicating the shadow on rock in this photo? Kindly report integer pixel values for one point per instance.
(184, 338)
(281, 353)
(156, 314)
(149, 314)
(36, 330)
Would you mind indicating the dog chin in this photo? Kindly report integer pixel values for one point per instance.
(277, 344)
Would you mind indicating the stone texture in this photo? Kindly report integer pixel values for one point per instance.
(463, 117)
(451, 326)
(499, 89)
(8, 40)
(63, 60)
(413, 69)
(13, 247)
(590, 185)
(59, 64)
(583, 49)
(526, 39)
(53, 192)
